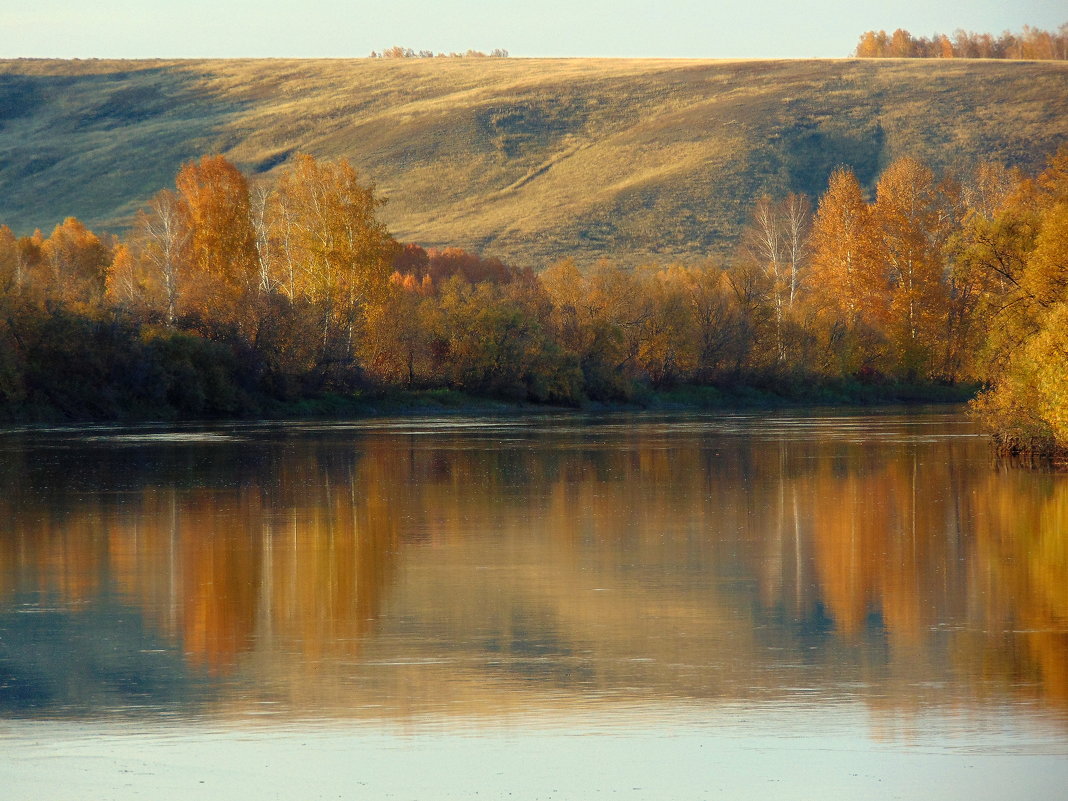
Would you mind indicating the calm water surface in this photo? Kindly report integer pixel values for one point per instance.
(774, 606)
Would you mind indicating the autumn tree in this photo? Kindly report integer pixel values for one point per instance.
(848, 285)
(1030, 43)
(154, 269)
(223, 262)
(622, 318)
(715, 325)
(902, 44)
(763, 245)
(73, 264)
(10, 262)
(493, 338)
(776, 242)
(796, 213)
(872, 44)
(125, 288)
(261, 206)
(1041, 364)
(31, 265)
(599, 318)
(400, 350)
(757, 345)
(667, 349)
(566, 286)
(338, 252)
(984, 252)
(1027, 345)
(912, 226)
(475, 269)
(413, 260)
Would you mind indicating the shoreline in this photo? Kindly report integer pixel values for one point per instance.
(400, 402)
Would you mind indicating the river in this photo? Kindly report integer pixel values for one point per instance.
(775, 605)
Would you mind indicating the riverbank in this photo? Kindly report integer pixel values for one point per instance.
(686, 397)
(383, 402)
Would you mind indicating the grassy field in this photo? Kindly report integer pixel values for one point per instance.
(528, 160)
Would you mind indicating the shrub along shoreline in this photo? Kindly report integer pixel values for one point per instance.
(212, 398)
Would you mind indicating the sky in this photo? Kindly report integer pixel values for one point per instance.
(527, 28)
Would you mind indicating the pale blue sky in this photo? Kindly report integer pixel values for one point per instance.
(624, 28)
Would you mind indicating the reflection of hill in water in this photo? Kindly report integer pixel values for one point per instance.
(404, 572)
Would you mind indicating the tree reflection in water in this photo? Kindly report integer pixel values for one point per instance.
(486, 568)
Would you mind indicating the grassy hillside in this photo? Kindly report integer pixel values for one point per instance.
(527, 160)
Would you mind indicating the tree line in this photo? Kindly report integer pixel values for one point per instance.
(1029, 44)
(398, 51)
(226, 291)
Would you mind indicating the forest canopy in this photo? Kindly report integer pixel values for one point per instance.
(228, 293)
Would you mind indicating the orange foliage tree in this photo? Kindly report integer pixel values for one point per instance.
(848, 285)
(224, 265)
(1030, 43)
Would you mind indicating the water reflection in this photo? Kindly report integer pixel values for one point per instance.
(477, 567)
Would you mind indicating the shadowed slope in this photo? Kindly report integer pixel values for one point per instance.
(528, 160)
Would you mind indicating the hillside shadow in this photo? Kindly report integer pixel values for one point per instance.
(118, 135)
(531, 125)
(809, 151)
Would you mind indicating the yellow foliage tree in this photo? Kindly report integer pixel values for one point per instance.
(150, 273)
(10, 262)
(913, 225)
(1025, 405)
(337, 253)
(74, 263)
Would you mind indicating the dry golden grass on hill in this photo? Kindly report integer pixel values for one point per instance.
(528, 160)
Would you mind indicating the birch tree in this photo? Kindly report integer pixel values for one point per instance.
(336, 250)
(913, 225)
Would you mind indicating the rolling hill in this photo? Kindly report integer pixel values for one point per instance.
(527, 160)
